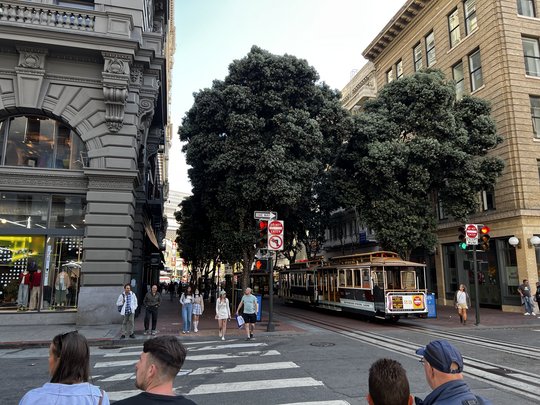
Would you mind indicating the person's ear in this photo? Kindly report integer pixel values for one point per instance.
(369, 399)
(411, 400)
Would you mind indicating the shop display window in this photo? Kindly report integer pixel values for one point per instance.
(34, 141)
(40, 273)
(18, 210)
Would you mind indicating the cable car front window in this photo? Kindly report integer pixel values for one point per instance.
(408, 280)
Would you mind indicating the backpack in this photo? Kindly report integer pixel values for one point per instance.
(120, 306)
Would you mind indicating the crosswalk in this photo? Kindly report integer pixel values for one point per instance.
(229, 370)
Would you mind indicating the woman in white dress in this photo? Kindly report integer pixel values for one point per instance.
(198, 309)
(223, 313)
(462, 302)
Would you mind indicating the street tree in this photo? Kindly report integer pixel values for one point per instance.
(257, 141)
(413, 147)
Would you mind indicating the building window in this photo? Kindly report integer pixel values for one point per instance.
(470, 16)
(526, 8)
(430, 49)
(389, 76)
(34, 141)
(488, 200)
(453, 28)
(535, 115)
(399, 69)
(457, 74)
(417, 57)
(538, 164)
(531, 54)
(475, 67)
(81, 4)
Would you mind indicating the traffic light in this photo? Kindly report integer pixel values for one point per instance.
(260, 264)
(462, 244)
(262, 235)
(484, 237)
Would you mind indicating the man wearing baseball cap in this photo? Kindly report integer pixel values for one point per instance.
(443, 366)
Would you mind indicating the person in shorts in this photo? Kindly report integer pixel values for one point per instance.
(462, 301)
(250, 304)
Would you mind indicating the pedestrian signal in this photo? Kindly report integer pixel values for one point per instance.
(260, 264)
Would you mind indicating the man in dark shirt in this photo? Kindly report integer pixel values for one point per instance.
(152, 301)
(156, 369)
(443, 367)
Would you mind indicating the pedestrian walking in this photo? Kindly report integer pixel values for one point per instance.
(152, 302)
(171, 290)
(187, 309)
(537, 295)
(69, 368)
(385, 373)
(443, 367)
(198, 309)
(462, 302)
(127, 304)
(223, 313)
(250, 304)
(159, 363)
(526, 297)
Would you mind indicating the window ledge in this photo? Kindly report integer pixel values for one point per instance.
(526, 17)
(478, 89)
(532, 77)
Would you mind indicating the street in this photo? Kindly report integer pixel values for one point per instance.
(327, 363)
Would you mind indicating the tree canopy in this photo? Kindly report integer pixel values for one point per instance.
(415, 146)
(260, 140)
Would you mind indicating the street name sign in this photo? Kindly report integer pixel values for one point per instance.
(265, 215)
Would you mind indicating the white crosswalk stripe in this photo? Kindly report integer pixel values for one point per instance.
(246, 368)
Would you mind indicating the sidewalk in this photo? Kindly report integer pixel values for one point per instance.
(170, 322)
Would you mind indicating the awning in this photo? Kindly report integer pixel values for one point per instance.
(149, 231)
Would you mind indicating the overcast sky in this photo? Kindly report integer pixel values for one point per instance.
(210, 34)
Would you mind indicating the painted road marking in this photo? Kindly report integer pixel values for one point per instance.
(254, 385)
(245, 368)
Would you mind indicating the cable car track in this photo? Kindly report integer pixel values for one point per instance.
(502, 377)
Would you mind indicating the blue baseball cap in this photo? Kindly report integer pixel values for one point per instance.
(440, 354)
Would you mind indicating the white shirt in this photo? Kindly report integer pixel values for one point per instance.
(462, 297)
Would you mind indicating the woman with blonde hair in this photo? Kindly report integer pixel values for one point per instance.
(198, 309)
(69, 367)
(462, 301)
(223, 313)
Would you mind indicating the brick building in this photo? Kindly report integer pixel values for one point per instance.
(491, 50)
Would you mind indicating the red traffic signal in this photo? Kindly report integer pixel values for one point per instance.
(484, 237)
(262, 236)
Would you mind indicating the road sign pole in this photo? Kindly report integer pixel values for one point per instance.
(270, 269)
(476, 292)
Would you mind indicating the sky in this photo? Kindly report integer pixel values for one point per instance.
(210, 34)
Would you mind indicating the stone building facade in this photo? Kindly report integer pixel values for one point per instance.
(83, 117)
(491, 50)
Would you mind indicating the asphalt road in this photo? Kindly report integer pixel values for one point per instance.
(323, 365)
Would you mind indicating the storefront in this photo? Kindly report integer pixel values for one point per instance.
(40, 250)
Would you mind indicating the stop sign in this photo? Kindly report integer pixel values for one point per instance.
(471, 231)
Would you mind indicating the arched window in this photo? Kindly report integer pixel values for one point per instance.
(35, 141)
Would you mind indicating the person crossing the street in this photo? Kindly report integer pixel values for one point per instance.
(250, 304)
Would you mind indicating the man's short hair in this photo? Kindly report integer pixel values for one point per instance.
(168, 352)
(388, 383)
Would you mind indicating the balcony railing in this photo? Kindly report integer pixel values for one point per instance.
(46, 16)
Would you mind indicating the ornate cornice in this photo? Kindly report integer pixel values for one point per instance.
(26, 179)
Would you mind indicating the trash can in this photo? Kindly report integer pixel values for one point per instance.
(431, 304)
(259, 307)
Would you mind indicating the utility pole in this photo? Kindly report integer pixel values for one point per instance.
(476, 289)
(270, 269)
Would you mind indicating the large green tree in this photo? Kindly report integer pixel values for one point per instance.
(414, 146)
(260, 140)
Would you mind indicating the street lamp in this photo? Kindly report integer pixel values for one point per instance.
(514, 242)
(534, 241)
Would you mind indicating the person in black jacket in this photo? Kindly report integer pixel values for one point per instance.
(537, 295)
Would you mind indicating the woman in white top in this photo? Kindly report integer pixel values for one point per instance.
(462, 302)
(198, 309)
(187, 307)
(223, 313)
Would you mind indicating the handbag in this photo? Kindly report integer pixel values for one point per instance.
(240, 320)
